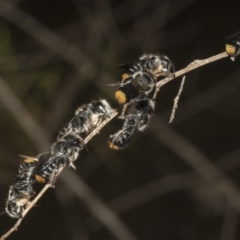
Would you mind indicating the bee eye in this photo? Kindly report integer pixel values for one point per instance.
(101, 108)
(131, 121)
(76, 142)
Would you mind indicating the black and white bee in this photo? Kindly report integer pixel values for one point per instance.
(141, 76)
(141, 83)
(232, 45)
(87, 117)
(136, 115)
(21, 192)
(63, 153)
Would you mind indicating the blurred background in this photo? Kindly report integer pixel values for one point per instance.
(177, 181)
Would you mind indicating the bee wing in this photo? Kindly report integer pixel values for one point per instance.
(130, 130)
(30, 157)
(130, 136)
(65, 130)
(129, 64)
(236, 34)
(45, 161)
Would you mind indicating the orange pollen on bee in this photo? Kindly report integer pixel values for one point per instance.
(120, 96)
(94, 119)
(231, 50)
(22, 202)
(125, 76)
(29, 160)
(40, 179)
(158, 72)
(113, 146)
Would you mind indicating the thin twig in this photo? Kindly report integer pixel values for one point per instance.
(98, 128)
(112, 223)
(220, 90)
(176, 99)
(31, 204)
(47, 186)
(195, 64)
(190, 67)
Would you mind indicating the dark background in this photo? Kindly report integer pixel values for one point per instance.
(174, 182)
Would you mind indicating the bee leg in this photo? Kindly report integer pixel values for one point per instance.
(114, 84)
(53, 178)
(122, 83)
(150, 90)
(172, 75)
(66, 162)
(61, 135)
(122, 116)
(125, 106)
(72, 165)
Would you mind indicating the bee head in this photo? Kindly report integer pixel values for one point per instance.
(72, 140)
(13, 210)
(102, 107)
(232, 46)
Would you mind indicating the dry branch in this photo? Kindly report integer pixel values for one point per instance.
(195, 64)
(176, 99)
(47, 186)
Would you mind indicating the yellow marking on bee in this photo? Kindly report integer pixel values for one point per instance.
(113, 146)
(29, 160)
(158, 72)
(120, 96)
(22, 201)
(40, 179)
(231, 50)
(125, 76)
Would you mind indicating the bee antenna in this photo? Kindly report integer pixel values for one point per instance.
(85, 145)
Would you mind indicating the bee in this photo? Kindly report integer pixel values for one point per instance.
(232, 45)
(21, 192)
(136, 117)
(87, 117)
(141, 76)
(63, 153)
(141, 83)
